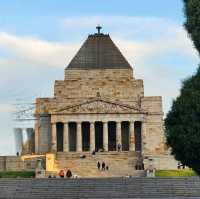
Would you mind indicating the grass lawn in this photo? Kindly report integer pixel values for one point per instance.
(17, 174)
(175, 173)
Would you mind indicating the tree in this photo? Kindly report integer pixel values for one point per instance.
(183, 124)
(192, 24)
(183, 120)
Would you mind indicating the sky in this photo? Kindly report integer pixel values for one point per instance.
(39, 38)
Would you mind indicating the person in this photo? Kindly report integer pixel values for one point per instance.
(62, 174)
(98, 165)
(119, 147)
(107, 167)
(179, 165)
(103, 166)
(69, 173)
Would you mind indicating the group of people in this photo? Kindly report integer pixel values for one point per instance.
(63, 173)
(180, 166)
(102, 166)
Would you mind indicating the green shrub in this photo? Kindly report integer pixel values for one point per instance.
(17, 174)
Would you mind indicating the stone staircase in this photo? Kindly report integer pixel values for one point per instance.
(100, 188)
(120, 164)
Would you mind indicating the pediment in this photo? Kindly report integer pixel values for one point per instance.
(98, 106)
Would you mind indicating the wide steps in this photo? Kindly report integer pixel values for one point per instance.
(100, 188)
(87, 167)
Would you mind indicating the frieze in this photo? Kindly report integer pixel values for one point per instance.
(99, 106)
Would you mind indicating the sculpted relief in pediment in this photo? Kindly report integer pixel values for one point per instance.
(98, 106)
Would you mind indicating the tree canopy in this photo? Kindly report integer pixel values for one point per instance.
(183, 124)
(183, 120)
(192, 24)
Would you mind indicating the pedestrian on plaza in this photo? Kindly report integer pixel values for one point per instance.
(107, 168)
(62, 174)
(98, 165)
(69, 173)
(103, 166)
(119, 147)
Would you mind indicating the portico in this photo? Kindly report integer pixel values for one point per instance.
(79, 136)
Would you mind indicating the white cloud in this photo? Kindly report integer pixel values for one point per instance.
(37, 51)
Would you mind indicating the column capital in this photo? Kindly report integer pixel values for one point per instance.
(105, 122)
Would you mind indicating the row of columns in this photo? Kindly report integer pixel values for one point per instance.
(92, 136)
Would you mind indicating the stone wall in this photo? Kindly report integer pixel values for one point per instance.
(43, 134)
(163, 161)
(82, 85)
(118, 83)
(16, 163)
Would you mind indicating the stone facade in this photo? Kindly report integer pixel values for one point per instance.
(14, 163)
(121, 98)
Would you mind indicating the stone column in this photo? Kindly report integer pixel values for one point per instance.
(143, 136)
(53, 137)
(118, 135)
(132, 137)
(79, 138)
(18, 139)
(92, 136)
(105, 136)
(66, 138)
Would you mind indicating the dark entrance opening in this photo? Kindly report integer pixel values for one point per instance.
(86, 136)
(138, 137)
(98, 136)
(111, 136)
(72, 136)
(59, 128)
(125, 136)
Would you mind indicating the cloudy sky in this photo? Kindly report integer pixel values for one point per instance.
(39, 38)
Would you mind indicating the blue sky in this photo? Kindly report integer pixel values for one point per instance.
(38, 39)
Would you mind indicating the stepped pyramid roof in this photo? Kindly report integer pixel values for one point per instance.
(99, 52)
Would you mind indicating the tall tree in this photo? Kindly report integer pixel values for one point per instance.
(192, 24)
(183, 120)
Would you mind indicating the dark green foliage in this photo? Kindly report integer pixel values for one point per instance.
(17, 174)
(183, 121)
(192, 24)
(183, 124)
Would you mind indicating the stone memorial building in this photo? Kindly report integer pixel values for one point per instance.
(99, 113)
